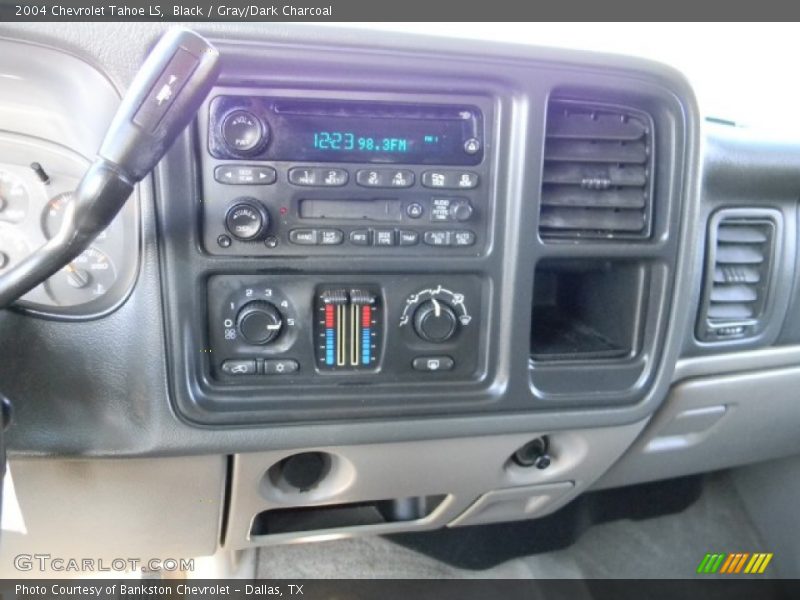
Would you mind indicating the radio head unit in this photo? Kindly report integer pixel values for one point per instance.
(345, 131)
(298, 173)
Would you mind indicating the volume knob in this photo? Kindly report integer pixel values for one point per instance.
(243, 132)
(435, 321)
(259, 322)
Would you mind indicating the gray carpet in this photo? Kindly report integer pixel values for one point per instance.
(663, 547)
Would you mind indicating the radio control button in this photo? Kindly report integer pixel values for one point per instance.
(371, 178)
(415, 210)
(401, 179)
(434, 179)
(304, 237)
(437, 238)
(333, 177)
(310, 176)
(460, 210)
(247, 220)
(330, 237)
(409, 238)
(466, 180)
(245, 175)
(463, 238)
(450, 180)
(303, 176)
(239, 367)
(440, 209)
(472, 146)
(360, 237)
(385, 178)
(243, 132)
(384, 237)
(280, 366)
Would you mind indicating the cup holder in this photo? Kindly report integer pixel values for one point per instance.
(311, 476)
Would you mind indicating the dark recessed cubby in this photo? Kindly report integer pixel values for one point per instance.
(586, 309)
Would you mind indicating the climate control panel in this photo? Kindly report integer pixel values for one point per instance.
(382, 328)
(349, 324)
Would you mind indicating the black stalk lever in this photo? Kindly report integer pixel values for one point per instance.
(163, 98)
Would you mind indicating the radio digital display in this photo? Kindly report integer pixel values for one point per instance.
(359, 132)
(349, 140)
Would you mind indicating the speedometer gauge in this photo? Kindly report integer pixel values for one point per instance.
(13, 198)
(87, 277)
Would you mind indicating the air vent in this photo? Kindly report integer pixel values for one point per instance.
(597, 179)
(741, 255)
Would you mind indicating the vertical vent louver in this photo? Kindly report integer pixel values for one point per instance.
(741, 254)
(597, 182)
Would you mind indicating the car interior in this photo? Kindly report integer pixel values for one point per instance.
(304, 301)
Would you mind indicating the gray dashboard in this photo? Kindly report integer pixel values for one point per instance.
(130, 383)
(607, 339)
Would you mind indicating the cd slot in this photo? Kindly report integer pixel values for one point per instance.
(381, 210)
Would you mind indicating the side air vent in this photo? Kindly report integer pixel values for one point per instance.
(597, 178)
(739, 265)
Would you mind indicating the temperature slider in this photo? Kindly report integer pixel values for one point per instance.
(348, 328)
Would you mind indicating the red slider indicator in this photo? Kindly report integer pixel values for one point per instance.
(366, 316)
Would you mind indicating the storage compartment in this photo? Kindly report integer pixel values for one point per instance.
(586, 309)
(337, 516)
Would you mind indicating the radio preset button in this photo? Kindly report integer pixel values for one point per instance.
(333, 177)
(385, 178)
(401, 179)
(309, 176)
(301, 176)
(245, 175)
(371, 178)
(415, 210)
(360, 237)
(450, 180)
(330, 237)
(465, 180)
(409, 238)
(304, 237)
(437, 238)
(384, 237)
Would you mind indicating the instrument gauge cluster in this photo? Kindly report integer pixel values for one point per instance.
(37, 180)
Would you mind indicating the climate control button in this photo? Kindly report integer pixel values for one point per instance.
(259, 322)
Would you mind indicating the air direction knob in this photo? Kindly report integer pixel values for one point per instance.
(435, 321)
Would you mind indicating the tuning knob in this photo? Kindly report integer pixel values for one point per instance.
(435, 321)
(247, 220)
(259, 322)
